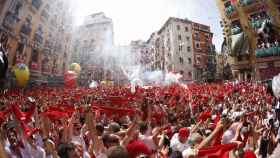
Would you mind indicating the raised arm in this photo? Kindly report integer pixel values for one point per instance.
(130, 132)
(98, 145)
(208, 140)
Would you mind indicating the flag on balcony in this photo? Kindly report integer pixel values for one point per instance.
(233, 2)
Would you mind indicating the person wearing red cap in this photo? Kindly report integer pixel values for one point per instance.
(179, 141)
(137, 148)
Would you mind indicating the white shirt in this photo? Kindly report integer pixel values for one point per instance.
(37, 152)
(24, 152)
(176, 145)
(101, 155)
(190, 152)
(148, 140)
(80, 140)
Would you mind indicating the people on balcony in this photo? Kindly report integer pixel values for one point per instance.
(268, 49)
(246, 2)
(229, 10)
(258, 21)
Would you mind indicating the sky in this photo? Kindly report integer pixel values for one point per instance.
(138, 19)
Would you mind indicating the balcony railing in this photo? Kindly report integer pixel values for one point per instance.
(37, 4)
(246, 2)
(38, 38)
(257, 23)
(236, 30)
(229, 10)
(10, 20)
(268, 52)
(26, 29)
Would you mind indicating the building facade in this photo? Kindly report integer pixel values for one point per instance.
(141, 51)
(252, 34)
(93, 43)
(203, 50)
(38, 34)
(181, 46)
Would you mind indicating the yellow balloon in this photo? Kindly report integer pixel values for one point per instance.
(22, 74)
(75, 67)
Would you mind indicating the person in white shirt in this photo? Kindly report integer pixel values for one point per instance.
(146, 137)
(35, 150)
(14, 147)
(179, 141)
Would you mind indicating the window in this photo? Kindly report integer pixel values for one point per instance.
(197, 45)
(186, 29)
(190, 74)
(198, 59)
(180, 48)
(239, 58)
(179, 37)
(187, 38)
(26, 27)
(19, 53)
(196, 36)
(181, 60)
(178, 27)
(189, 48)
(35, 55)
(190, 60)
(181, 72)
(63, 67)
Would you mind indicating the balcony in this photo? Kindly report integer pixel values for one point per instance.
(38, 38)
(10, 21)
(197, 38)
(250, 6)
(37, 4)
(246, 2)
(236, 30)
(231, 11)
(26, 29)
(268, 52)
(258, 22)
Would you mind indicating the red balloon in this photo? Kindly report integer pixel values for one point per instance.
(70, 79)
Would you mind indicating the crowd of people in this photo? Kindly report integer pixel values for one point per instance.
(221, 120)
